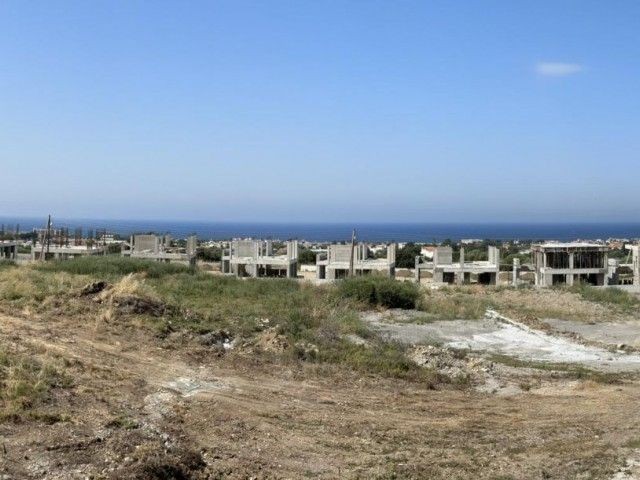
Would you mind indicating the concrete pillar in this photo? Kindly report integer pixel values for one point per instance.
(438, 276)
(516, 271)
(460, 278)
(391, 253)
(416, 272)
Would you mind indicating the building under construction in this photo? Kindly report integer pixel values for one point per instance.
(444, 269)
(159, 248)
(339, 260)
(634, 250)
(257, 258)
(570, 263)
(59, 244)
(8, 250)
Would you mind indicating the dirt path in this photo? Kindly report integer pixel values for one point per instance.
(136, 400)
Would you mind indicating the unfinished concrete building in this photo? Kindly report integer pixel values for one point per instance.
(570, 263)
(444, 270)
(64, 252)
(336, 262)
(256, 258)
(159, 248)
(635, 262)
(8, 250)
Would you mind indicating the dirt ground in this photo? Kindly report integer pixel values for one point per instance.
(141, 407)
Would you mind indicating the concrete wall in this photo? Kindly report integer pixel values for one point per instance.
(245, 248)
(635, 262)
(339, 253)
(443, 256)
(142, 243)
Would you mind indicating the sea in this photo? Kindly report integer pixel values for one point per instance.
(325, 232)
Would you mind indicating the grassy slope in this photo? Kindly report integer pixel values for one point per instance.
(320, 317)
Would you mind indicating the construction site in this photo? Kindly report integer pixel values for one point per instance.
(159, 248)
(256, 258)
(341, 261)
(545, 264)
(133, 367)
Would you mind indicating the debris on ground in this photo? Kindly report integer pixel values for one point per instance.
(220, 339)
(455, 364)
(357, 340)
(188, 387)
(272, 341)
(142, 306)
(93, 288)
(306, 350)
(178, 463)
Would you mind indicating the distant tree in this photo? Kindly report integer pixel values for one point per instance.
(475, 254)
(209, 254)
(306, 256)
(406, 256)
(114, 248)
(382, 253)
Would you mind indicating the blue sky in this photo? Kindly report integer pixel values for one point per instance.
(321, 111)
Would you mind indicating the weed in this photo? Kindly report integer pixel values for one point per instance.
(610, 296)
(454, 303)
(378, 290)
(112, 266)
(572, 371)
(124, 422)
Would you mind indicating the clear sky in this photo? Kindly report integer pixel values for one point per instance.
(298, 110)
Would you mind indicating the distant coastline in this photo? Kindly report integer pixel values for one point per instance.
(372, 232)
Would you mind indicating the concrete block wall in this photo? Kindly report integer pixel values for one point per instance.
(443, 256)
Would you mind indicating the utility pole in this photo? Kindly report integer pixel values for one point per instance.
(47, 239)
(353, 251)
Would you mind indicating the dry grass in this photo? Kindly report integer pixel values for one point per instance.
(132, 284)
(26, 384)
(24, 286)
(583, 304)
(454, 303)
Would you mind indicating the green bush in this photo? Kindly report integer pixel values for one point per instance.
(306, 256)
(382, 291)
(384, 358)
(209, 254)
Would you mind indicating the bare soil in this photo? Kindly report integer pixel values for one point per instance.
(144, 407)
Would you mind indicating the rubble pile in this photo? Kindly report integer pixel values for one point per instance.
(453, 363)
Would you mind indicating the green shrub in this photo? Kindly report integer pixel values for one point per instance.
(382, 291)
(384, 358)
